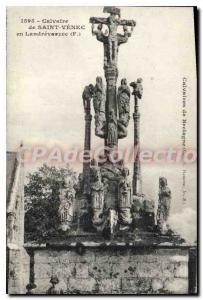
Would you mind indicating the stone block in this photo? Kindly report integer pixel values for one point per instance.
(171, 252)
(64, 257)
(64, 270)
(148, 270)
(176, 286)
(82, 285)
(143, 258)
(157, 285)
(42, 285)
(181, 270)
(124, 270)
(112, 256)
(168, 269)
(109, 285)
(99, 271)
(179, 258)
(136, 285)
(100, 259)
(46, 256)
(88, 256)
(81, 270)
(42, 271)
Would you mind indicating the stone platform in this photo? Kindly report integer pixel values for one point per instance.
(89, 266)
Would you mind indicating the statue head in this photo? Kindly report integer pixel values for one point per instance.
(137, 88)
(125, 172)
(124, 81)
(88, 92)
(112, 10)
(162, 182)
(91, 89)
(95, 174)
(99, 80)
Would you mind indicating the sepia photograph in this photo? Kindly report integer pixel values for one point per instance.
(101, 150)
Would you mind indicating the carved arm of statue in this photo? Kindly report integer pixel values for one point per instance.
(123, 38)
(99, 34)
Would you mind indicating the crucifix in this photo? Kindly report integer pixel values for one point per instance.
(111, 40)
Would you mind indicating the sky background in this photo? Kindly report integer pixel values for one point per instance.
(46, 77)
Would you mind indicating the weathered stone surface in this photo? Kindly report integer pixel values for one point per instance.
(43, 270)
(149, 270)
(137, 285)
(63, 270)
(179, 258)
(100, 270)
(111, 270)
(148, 258)
(109, 285)
(81, 270)
(82, 285)
(47, 256)
(42, 285)
(112, 256)
(176, 286)
(181, 270)
(157, 285)
(168, 269)
(88, 256)
(18, 271)
(170, 252)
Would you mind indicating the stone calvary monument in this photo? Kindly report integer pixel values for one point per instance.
(110, 240)
(107, 200)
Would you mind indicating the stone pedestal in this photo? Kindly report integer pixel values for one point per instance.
(115, 268)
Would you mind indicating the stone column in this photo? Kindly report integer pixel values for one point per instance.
(137, 92)
(87, 147)
(136, 170)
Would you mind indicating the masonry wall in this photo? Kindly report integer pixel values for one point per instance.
(18, 270)
(113, 271)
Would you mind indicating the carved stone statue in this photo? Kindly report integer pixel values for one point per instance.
(163, 204)
(66, 207)
(112, 136)
(87, 95)
(137, 88)
(101, 37)
(124, 200)
(99, 101)
(124, 102)
(80, 184)
(97, 198)
(123, 38)
(114, 39)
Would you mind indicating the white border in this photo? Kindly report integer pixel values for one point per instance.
(3, 4)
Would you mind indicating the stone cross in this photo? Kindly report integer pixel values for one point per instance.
(111, 41)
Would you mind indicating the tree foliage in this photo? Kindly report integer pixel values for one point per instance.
(42, 201)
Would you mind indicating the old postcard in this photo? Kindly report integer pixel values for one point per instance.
(101, 150)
